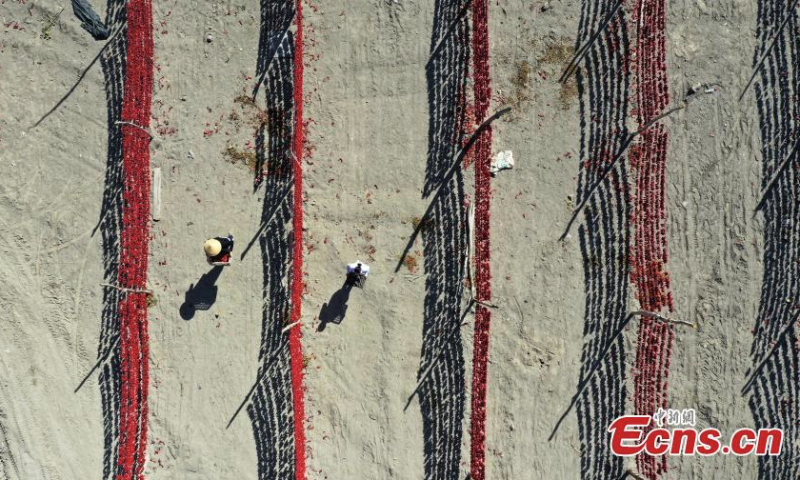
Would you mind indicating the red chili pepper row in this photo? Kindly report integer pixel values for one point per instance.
(483, 276)
(295, 334)
(649, 257)
(134, 241)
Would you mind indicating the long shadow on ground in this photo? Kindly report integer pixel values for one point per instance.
(773, 385)
(270, 408)
(202, 295)
(444, 236)
(112, 61)
(604, 238)
(336, 308)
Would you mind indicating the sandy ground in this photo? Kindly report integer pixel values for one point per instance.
(366, 94)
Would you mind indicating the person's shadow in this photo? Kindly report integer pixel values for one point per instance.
(336, 308)
(202, 295)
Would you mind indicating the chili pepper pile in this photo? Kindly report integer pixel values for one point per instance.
(648, 218)
(134, 240)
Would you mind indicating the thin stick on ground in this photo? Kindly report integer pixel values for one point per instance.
(52, 20)
(470, 248)
(572, 66)
(643, 313)
(131, 124)
(125, 289)
(413, 278)
(289, 327)
(769, 49)
(521, 316)
(473, 296)
(582, 386)
(483, 304)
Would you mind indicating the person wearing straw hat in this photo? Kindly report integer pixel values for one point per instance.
(218, 250)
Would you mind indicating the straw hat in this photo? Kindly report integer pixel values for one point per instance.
(212, 247)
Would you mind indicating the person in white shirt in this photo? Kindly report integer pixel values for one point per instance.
(357, 273)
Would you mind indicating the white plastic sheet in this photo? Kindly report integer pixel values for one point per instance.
(503, 161)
